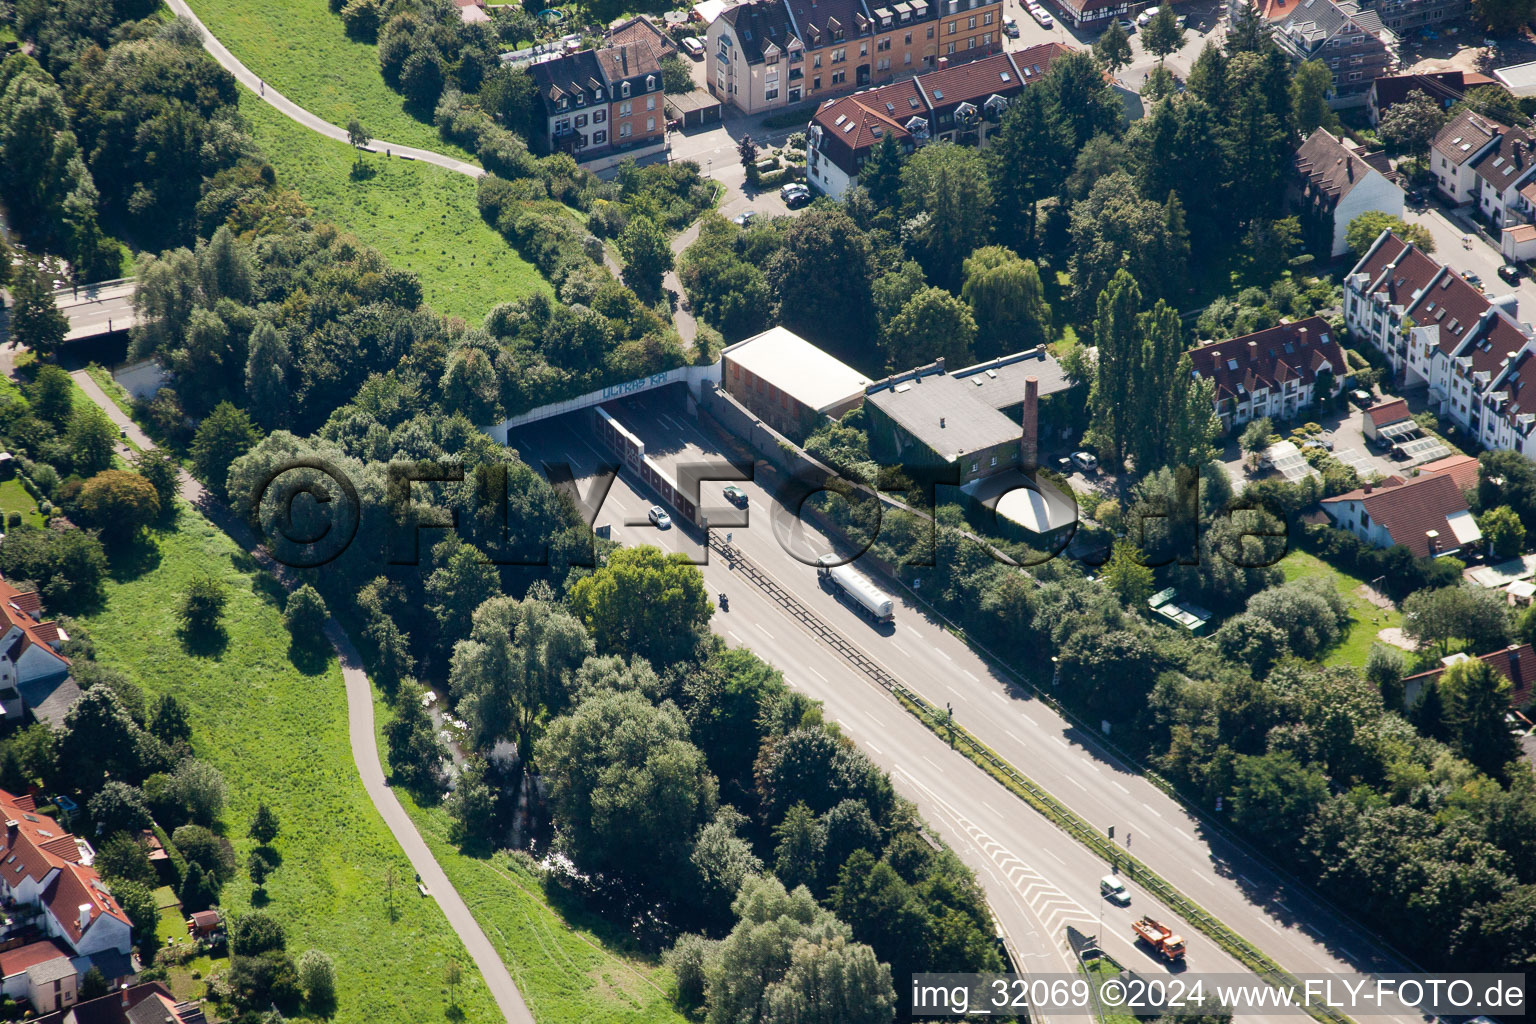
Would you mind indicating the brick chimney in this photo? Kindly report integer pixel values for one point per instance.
(124, 988)
(1029, 437)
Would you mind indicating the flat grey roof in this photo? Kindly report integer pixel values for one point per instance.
(1519, 79)
(792, 364)
(1000, 382)
(943, 412)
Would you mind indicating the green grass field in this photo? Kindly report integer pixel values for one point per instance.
(1368, 619)
(279, 734)
(300, 49)
(563, 966)
(422, 218)
(14, 498)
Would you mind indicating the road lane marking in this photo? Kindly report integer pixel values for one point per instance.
(759, 625)
(734, 636)
(931, 761)
(818, 675)
(1149, 807)
(1079, 785)
(1117, 785)
(994, 810)
(1186, 835)
(971, 674)
(876, 749)
(954, 691)
(872, 716)
(946, 656)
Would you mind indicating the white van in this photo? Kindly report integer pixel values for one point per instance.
(1146, 16)
(1114, 889)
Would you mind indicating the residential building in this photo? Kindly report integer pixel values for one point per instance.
(1426, 514)
(49, 886)
(790, 383)
(957, 103)
(1334, 183)
(149, 1003)
(1439, 331)
(767, 54)
(637, 111)
(34, 676)
(1275, 372)
(1093, 12)
(1444, 87)
(1405, 16)
(1506, 179)
(575, 101)
(641, 31)
(40, 973)
(609, 102)
(1353, 42)
(1455, 151)
(954, 426)
(1517, 663)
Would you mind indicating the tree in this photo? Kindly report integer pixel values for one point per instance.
(1162, 35)
(119, 504)
(1308, 610)
(453, 977)
(1476, 698)
(1310, 86)
(1442, 616)
(266, 375)
(199, 787)
(1411, 124)
(946, 199)
(881, 175)
(305, 616)
(1254, 439)
(224, 435)
(415, 752)
(1127, 574)
(675, 76)
(932, 325)
(647, 256)
(820, 278)
(264, 826)
(628, 787)
(91, 440)
(462, 580)
(259, 865)
(645, 603)
(746, 149)
(422, 79)
(1365, 228)
(138, 902)
(202, 604)
(100, 736)
(1078, 98)
(317, 976)
(1502, 17)
(1274, 795)
(1007, 300)
(94, 984)
(1114, 230)
(122, 859)
(1503, 530)
(37, 325)
(1114, 333)
(256, 932)
(164, 475)
(799, 841)
(52, 395)
(1113, 48)
(1028, 157)
(833, 981)
(357, 135)
(119, 807)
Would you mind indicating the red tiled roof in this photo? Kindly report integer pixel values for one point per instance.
(1461, 468)
(1269, 358)
(1409, 509)
(37, 846)
(75, 887)
(14, 607)
(1383, 413)
(29, 601)
(15, 961)
(1516, 663)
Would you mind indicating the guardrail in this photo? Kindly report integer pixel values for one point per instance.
(942, 724)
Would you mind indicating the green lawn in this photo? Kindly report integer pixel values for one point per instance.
(1099, 971)
(422, 218)
(567, 968)
(299, 48)
(279, 734)
(1368, 619)
(14, 498)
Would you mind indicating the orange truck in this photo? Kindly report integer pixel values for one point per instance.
(1161, 938)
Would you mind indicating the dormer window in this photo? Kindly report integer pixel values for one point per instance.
(650, 83)
(624, 88)
(564, 103)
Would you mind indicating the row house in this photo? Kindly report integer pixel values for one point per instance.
(1438, 331)
(768, 54)
(1475, 159)
(1276, 372)
(609, 101)
(955, 103)
(1353, 42)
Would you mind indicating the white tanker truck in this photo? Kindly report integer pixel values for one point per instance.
(867, 598)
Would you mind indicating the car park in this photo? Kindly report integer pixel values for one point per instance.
(1010, 27)
(744, 218)
(1041, 16)
(1510, 273)
(1085, 461)
(659, 517)
(736, 496)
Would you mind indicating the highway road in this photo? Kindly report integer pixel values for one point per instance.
(972, 811)
(96, 309)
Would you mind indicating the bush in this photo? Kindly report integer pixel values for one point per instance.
(256, 932)
(317, 976)
(305, 616)
(118, 503)
(203, 604)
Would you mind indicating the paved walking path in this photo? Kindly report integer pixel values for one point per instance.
(365, 750)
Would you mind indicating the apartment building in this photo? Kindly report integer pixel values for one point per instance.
(1352, 41)
(1437, 330)
(953, 103)
(609, 101)
(1404, 16)
(766, 54)
(1333, 183)
(1277, 372)
(1475, 159)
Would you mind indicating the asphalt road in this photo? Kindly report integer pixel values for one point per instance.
(96, 309)
(1279, 918)
(360, 726)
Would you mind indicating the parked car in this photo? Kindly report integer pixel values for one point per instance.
(1510, 273)
(1474, 280)
(736, 496)
(659, 517)
(1314, 445)
(744, 218)
(1146, 16)
(1126, 25)
(1181, 20)
(1041, 16)
(1085, 461)
(694, 47)
(795, 194)
(1010, 27)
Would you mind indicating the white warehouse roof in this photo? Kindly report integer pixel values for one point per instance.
(795, 366)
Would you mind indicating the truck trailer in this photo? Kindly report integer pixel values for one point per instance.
(870, 600)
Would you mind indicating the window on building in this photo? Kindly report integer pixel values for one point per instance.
(839, 77)
(771, 94)
(599, 116)
(562, 125)
(650, 124)
(581, 120)
(907, 60)
(864, 49)
(972, 22)
(816, 61)
(650, 103)
(624, 89)
(930, 31)
(598, 138)
(909, 39)
(954, 27)
(986, 19)
(815, 83)
(626, 108)
(625, 130)
(951, 49)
